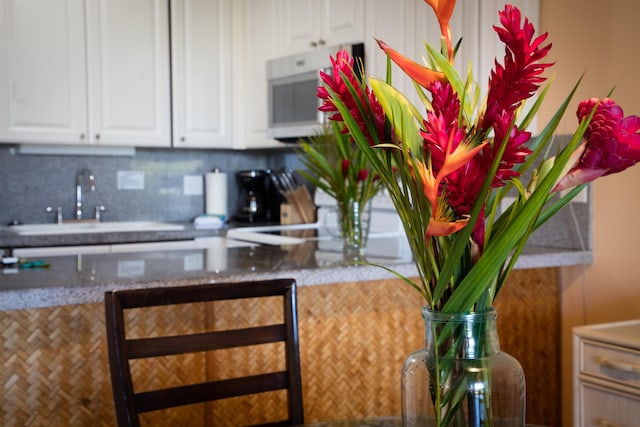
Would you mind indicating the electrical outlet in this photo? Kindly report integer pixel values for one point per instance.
(192, 185)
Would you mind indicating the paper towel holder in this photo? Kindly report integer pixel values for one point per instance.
(216, 192)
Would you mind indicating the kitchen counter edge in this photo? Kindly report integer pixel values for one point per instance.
(533, 257)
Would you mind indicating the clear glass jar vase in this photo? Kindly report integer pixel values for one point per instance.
(462, 378)
(353, 226)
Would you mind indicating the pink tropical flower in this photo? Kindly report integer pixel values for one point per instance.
(343, 67)
(612, 143)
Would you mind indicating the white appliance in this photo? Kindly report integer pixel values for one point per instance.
(292, 84)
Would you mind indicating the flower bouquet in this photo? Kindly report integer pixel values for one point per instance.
(447, 165)
(335, 166)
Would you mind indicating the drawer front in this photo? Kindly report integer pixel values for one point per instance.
(603, 407)
(610, 363)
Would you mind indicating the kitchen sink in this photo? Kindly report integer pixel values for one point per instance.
(93, 227)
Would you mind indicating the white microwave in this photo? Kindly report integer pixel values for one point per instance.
(292, 83)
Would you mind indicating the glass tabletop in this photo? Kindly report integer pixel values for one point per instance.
(364, 422)
(368, 422)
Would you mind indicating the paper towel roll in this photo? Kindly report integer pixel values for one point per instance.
(216, 193)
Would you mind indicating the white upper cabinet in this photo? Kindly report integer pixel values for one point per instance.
(307, 24)
(128, 71)
(94, 72)
(42, 71)
(201, 73)
(253, 43)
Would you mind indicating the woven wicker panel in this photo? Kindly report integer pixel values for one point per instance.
(353, 340)
(54, 368)
(529, 326)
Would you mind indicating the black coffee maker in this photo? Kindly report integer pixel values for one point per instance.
(259, 201)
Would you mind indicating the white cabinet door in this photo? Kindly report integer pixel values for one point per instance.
(400, 36)
(341, 21)
(254, 41)
(201, 73)
(85, 72)
(307, 24)
(42, 71)
(128, 69)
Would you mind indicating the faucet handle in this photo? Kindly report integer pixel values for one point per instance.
(58, 212)
(99, 210)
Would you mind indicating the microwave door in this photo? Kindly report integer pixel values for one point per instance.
(294, 106)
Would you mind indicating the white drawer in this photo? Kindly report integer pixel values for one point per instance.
(611, 363)
(602, 407)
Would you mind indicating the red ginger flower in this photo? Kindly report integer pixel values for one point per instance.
(520, 76)
(612, 143)
(362, 174)
(443, 134)
(343, 66)
(345, 167)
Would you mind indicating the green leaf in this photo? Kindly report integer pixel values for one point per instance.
(503, 243)
(401, 113)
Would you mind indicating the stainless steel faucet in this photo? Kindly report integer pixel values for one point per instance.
(84, 179)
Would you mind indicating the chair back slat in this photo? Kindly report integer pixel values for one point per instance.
(213, 390)
(206, 341)
(129, 404)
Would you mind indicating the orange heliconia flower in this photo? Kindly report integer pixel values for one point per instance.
(438, 227)
(422, 75)
(444, 10)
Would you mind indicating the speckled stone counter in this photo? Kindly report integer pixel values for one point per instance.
(80, 279)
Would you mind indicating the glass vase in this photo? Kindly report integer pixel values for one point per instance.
(461, 378)
(353, 226)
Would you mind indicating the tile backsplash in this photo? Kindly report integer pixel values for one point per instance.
(150, 185)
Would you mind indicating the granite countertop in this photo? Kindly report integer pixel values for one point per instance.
(83, 278)
(9, 239)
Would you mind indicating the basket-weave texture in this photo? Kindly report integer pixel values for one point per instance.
(353, 340)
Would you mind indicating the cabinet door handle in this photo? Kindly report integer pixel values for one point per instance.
(321, 42)
(626, 367)
(314, 44)
(82, 136)
(97, 136)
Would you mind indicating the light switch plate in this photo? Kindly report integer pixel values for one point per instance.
(130, 180)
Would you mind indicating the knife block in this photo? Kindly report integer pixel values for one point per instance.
(289, 214)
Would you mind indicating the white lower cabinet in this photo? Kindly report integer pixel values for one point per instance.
(607, 375)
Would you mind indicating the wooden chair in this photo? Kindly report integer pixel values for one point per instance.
(122, 349)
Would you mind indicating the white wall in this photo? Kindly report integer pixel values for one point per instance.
(601, 38)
